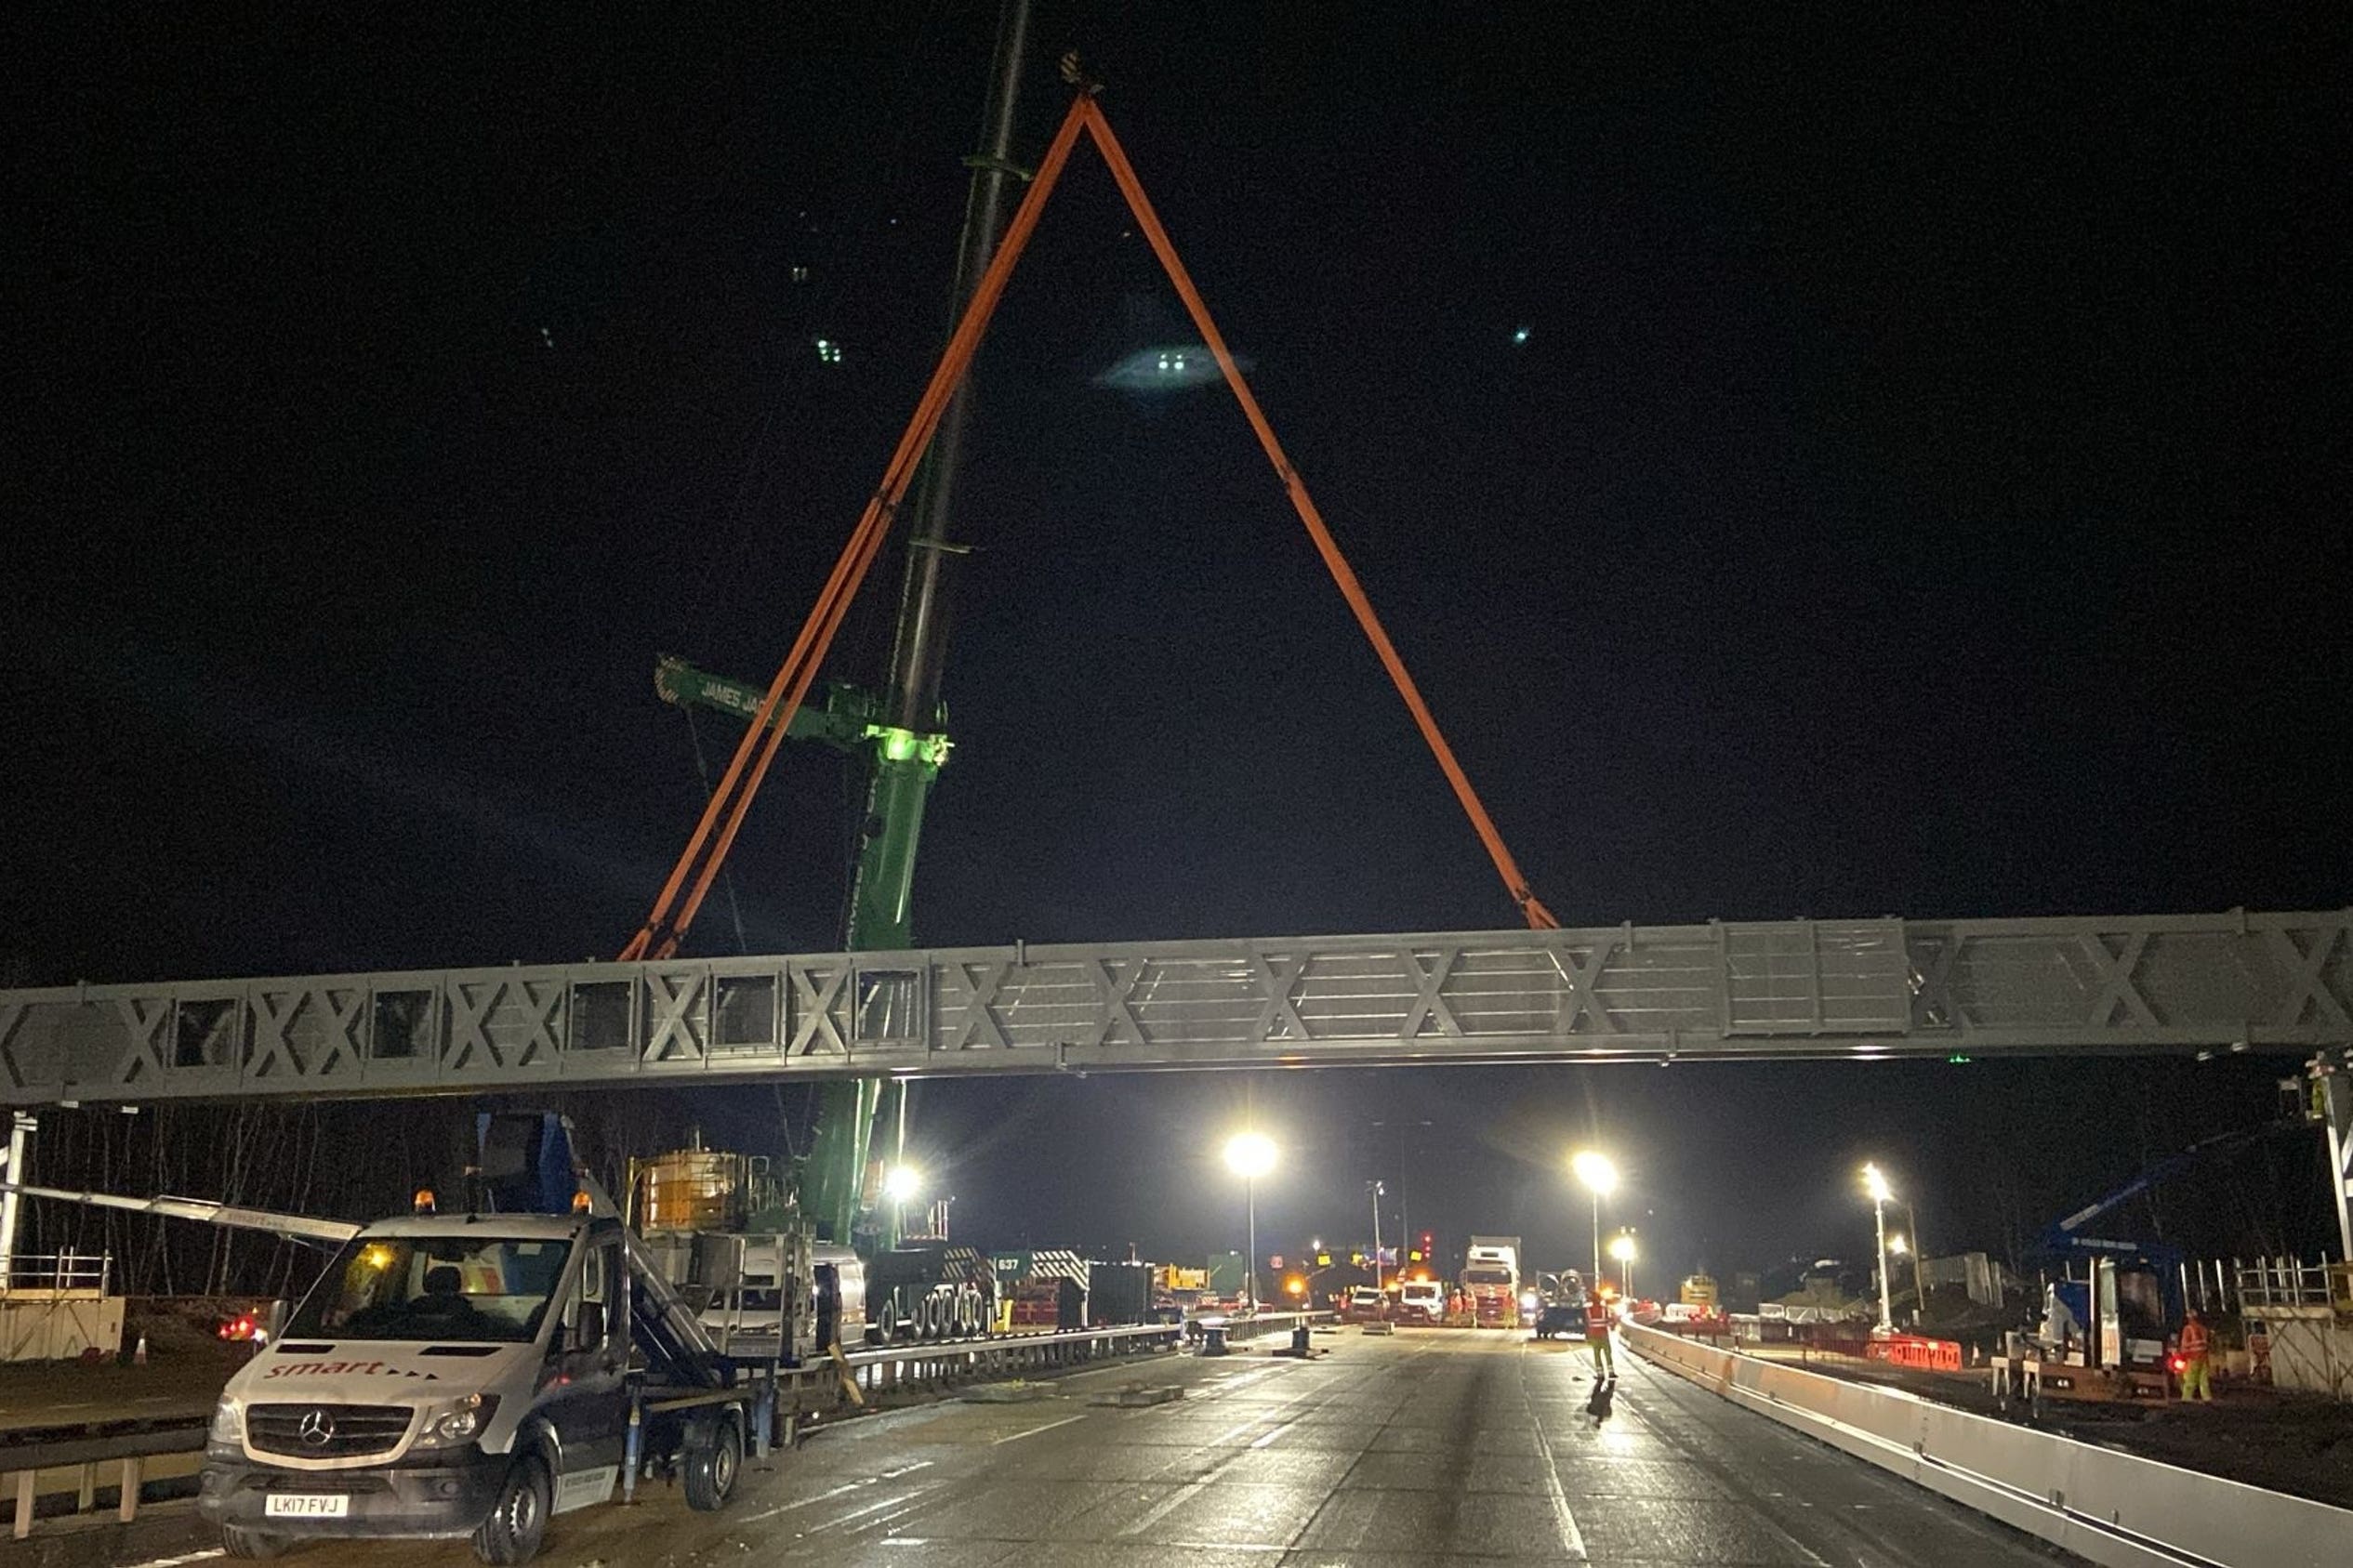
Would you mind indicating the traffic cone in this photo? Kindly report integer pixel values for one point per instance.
(138, 1352)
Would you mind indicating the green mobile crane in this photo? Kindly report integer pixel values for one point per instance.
(901, 764)
(900, 732)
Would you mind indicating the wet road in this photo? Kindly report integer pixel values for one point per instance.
(1415, 1449)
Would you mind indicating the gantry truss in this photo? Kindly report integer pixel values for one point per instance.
(1856, 989)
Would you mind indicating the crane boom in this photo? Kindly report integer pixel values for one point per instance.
(304, 1228)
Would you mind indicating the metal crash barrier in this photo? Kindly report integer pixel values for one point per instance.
(2107, 1507)
(120, 1458)
(929, 1368)
(896, 1375)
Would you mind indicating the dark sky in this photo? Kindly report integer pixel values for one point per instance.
(1918, 491)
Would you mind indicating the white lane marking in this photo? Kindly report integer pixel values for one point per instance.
(839, 1491)
(1175, 1500)
(184, 1557)
(1572, 1539)
(1035, 1431)
(900, 1501)
(1192, 1489)
(1271, 1436)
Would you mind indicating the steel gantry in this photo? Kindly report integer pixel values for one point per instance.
(1857, 989)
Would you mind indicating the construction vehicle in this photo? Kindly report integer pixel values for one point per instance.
(1699, 1292)
(897, 735)
(928, 1290)
(1491, 1279)
(474, 1374)
(2129, 1298)
(731, 1240)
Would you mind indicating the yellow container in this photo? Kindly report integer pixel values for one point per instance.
(691, 1189)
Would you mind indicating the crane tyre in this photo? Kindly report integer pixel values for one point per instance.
(714, 1457)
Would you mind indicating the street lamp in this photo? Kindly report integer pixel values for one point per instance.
(1875, 1183)
(1622, 1247)
(1250, 1155)
(1599, 1177)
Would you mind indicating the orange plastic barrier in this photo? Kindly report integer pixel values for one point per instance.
(1908, 1349)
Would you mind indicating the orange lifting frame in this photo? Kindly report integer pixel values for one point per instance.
(723, 815)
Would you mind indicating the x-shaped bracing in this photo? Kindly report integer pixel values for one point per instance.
(1116, 990)
(1580, 1000)
(470, 1017)
(2113, 972)
(1277, 978)
(2305, 970)
(979, 982)
(674, 997)
(813, 996)
(1428, 1005)
(274, 1013)
(1932, 1004)
(144, 1024)
(11, 1014)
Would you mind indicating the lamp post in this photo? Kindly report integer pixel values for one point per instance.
(1918, 1253)
(1599, 1177)
(1250, 1155)
(1376, 1190)
(1876, 1185)
(1404, 1214)
(1622, 1247)
(1900, 1247)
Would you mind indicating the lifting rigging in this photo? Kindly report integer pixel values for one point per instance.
(901, 733)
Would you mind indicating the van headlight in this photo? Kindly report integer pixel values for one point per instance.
(451, 1422)
(228, 1424)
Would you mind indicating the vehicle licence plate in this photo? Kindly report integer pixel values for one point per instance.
(308, 1505)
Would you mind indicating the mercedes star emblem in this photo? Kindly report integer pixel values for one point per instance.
(317, 1428)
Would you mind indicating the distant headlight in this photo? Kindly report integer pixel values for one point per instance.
(228, 1423)
(1527, 1300)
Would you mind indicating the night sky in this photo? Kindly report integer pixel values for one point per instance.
(1833, 464)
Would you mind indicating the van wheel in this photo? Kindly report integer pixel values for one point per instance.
(252, 1545)
(518, 1522)
(714, 1455)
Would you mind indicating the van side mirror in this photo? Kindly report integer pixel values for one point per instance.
(274, 1321)
(589, 1334)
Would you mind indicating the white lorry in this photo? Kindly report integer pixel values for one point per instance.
(1491, 1279)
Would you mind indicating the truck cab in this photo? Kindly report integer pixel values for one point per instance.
(462, 1376)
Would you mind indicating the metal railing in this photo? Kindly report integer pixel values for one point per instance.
(56, 1272)
(2287, 1282)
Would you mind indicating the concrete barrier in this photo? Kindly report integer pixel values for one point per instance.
(2113, 1508)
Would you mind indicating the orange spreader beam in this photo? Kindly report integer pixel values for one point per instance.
(723, 816)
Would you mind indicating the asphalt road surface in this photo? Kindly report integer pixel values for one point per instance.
(1421, 1448)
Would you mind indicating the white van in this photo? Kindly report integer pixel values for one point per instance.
(1421, 1300)
(452, 1375)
